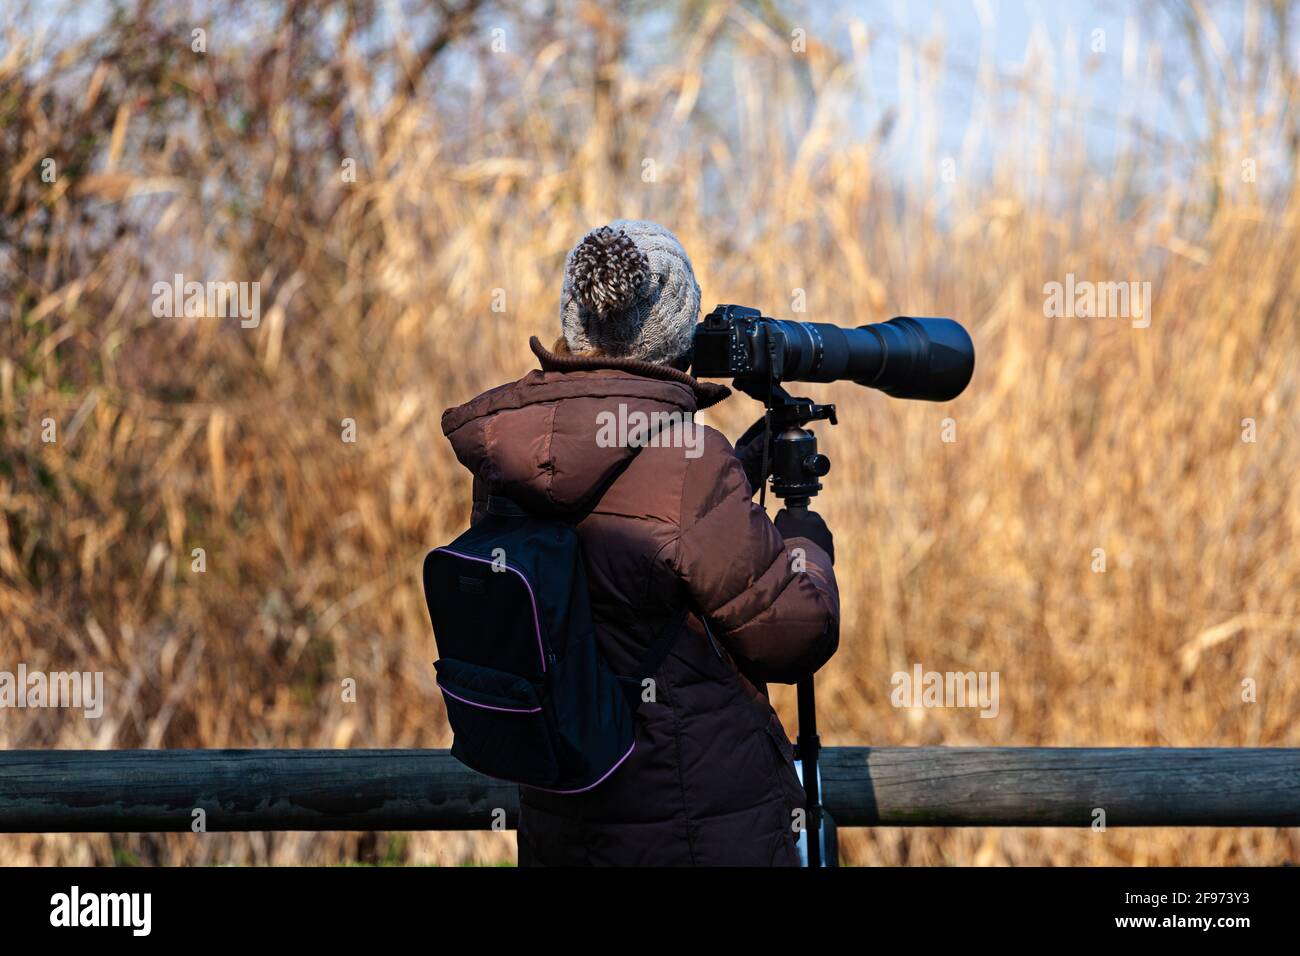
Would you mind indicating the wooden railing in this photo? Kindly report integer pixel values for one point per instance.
(159, 790)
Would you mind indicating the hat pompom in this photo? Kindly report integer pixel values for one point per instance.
(607, 271)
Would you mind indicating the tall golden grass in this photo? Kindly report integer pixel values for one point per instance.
(380, 303)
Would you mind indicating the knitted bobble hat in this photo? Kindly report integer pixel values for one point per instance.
(629, 291)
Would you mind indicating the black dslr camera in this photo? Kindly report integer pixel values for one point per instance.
(927, 359)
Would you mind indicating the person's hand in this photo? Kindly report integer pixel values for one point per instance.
(806, 524)
(749, 449)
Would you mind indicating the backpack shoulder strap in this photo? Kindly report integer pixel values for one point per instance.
(505, 507)
(658, 651)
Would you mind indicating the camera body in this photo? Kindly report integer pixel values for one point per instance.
(731, 342)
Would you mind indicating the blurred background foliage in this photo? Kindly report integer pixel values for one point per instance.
(485, 139)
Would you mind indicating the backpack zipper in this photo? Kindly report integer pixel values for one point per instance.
(709, 634)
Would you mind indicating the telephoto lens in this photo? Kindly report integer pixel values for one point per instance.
(906, 357)
(926, 359)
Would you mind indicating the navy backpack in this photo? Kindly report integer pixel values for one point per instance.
(529, 696)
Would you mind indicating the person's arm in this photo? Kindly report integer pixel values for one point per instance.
(776, 611)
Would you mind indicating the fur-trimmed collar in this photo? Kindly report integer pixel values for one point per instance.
(563, 360)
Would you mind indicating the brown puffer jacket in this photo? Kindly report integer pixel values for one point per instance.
(664, 530)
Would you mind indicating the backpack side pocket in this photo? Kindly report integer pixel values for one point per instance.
(499, 725)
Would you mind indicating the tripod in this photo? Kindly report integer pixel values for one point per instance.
(796, 469)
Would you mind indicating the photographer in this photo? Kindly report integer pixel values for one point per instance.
(673, 545)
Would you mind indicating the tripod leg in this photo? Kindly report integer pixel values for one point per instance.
(809, 746)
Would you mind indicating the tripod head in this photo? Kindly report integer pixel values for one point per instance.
(795, 462)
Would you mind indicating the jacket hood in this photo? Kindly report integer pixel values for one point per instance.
(543, 440)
